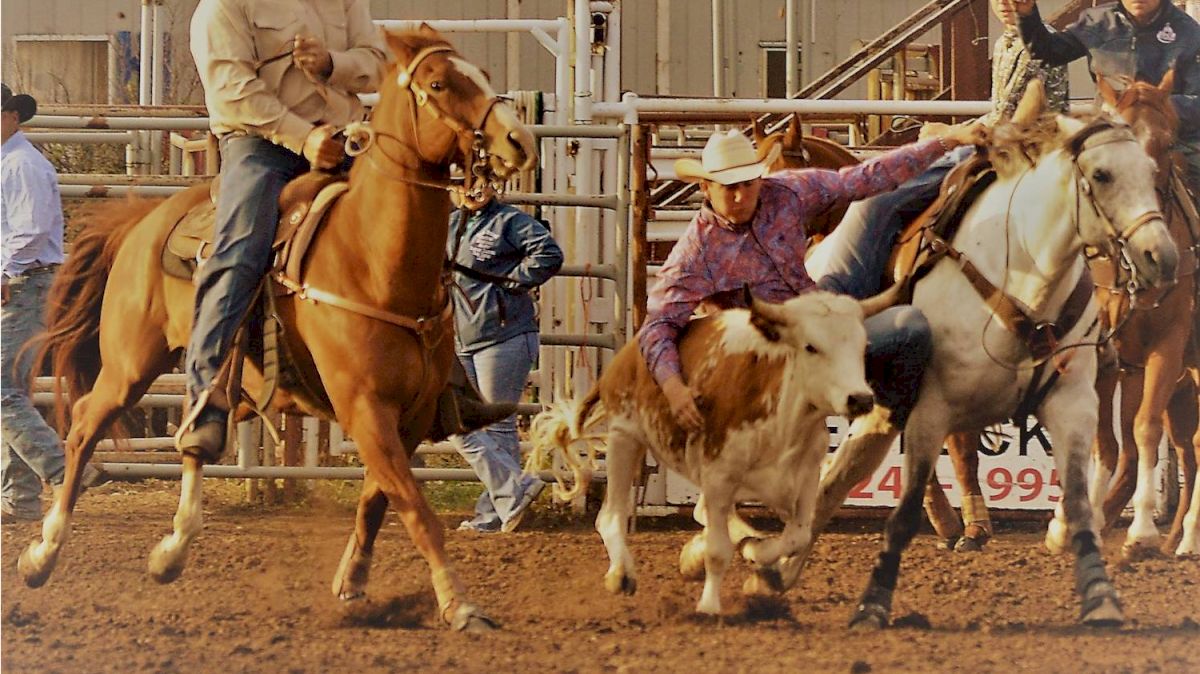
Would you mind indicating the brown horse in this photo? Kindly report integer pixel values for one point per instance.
(1154, 338)
(800, 151)
(375, 338)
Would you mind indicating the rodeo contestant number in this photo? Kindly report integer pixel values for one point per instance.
(1026, 485)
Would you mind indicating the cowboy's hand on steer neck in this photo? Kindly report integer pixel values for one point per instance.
(682, 400)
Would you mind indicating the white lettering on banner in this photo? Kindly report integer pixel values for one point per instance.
(1016, 472)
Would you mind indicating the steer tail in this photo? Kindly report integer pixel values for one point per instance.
(555, 434)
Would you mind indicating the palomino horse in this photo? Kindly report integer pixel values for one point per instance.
(1023, 237)
(800, 151)
(376, 339)
(1154, 338)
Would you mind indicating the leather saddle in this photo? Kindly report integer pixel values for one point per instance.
(959, 189)
(302, 205)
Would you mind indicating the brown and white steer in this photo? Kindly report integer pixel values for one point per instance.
(766, 378)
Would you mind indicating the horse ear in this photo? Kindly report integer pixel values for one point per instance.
(1167, 85)
(794, 137)
(758, 132)
(426, 29)
(1107, 92)
(1032, 103)
(399, 45)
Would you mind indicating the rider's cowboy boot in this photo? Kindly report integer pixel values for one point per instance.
(204, 432)
(461, 408)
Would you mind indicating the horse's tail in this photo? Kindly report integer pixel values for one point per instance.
(554, 434)
(71, 340)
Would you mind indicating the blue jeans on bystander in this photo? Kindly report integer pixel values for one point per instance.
(32, 450)
(499, 372)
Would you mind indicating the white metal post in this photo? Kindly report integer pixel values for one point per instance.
(792, 38)
(718, 47)
(157, 84)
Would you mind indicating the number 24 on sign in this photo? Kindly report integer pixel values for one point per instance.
(1028, 483)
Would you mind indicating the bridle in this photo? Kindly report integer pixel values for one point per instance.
(361, 137)
(1098, 134)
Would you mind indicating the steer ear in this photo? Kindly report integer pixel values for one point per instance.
(763, 316)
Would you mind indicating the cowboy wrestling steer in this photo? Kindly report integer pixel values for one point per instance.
(767, 377)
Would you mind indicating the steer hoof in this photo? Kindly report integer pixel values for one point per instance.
(869, 618)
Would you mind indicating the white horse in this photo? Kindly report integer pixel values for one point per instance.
(1062, 184)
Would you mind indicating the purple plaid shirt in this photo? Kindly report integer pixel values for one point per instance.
(714, 259)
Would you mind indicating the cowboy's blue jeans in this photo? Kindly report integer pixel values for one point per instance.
(254, 172)
(32, 450)
(499, 372)
(899, 340)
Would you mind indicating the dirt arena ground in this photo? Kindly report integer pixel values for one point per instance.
(256, 598)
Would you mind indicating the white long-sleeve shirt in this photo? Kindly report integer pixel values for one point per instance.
(31, 217)
(278, 101)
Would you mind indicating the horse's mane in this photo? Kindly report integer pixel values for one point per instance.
(1016, 146)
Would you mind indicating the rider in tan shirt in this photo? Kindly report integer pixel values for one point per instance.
(279, 69)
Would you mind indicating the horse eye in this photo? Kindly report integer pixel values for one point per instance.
(1102, 176)
(436, 85)
(810, 348)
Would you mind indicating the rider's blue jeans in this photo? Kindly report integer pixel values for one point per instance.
(899, 340)
(254, 172)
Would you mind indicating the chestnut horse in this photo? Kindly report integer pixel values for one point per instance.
(1154, 336)
(376, 338)
(800, 151)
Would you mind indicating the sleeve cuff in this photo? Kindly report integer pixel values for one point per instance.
(345, 75)
(292, 131)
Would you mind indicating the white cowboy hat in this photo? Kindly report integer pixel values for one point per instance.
(728, 158)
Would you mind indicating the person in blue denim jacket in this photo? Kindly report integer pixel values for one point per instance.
(500, 255)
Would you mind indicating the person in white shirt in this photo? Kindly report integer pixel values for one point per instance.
(31, 220)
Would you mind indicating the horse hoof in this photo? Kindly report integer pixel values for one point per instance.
(167, 574)
(32, 573)
(164, 570)
(764, 580)
(869, 618)
(1137, 552)
(467, 618)
(1105, 613)
(350, 597)
(966, 544)
(620, 584)
(947, 544)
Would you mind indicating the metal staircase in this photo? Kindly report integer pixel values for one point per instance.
(675, 193)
